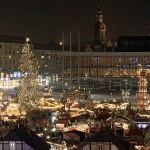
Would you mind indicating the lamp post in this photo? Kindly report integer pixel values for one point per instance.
(111, 96)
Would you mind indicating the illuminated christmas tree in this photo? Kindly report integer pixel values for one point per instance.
(28, 90)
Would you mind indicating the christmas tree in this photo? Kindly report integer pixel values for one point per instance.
(28, 89)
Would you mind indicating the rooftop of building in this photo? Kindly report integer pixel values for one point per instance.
(48, 46)
(21, 133)
(106, 135)
(11, 39)
(134, 131)
(133, 44)
(52, 45)
(124, 44)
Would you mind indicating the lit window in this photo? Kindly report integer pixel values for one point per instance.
(12, 145)
(100, 147)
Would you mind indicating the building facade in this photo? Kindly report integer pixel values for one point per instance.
(77, 69)
(80, 68)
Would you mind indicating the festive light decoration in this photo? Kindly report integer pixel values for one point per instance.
(28, 89)
(13, 110)
(142, 95)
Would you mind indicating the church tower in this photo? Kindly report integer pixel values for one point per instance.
(100, 29)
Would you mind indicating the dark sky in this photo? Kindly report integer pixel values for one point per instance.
(42, 20)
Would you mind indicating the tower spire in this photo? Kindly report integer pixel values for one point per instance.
(99, 15)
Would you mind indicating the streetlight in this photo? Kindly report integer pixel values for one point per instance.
(61, 43)
(111, 95)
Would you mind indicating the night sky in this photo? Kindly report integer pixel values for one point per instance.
(42, 20)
